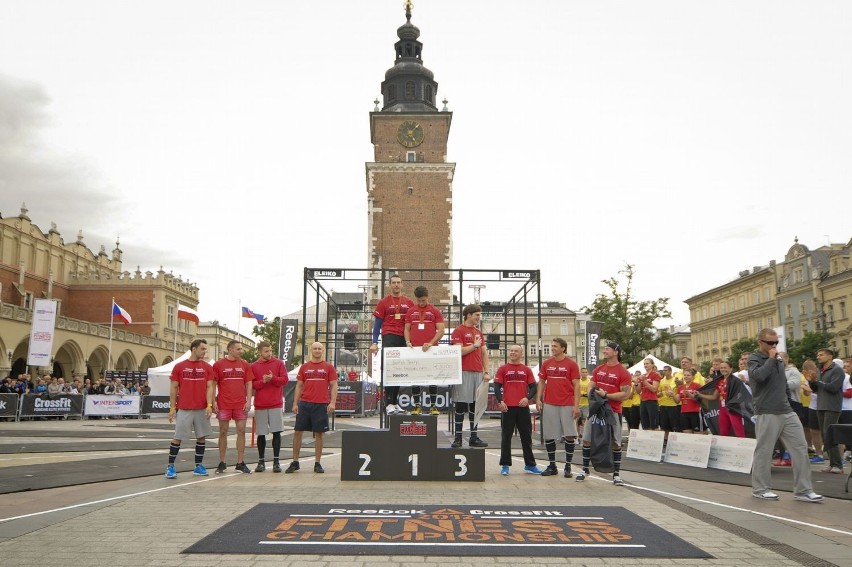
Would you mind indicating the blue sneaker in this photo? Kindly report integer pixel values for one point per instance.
(532, 469)
(170, 472)
(200, 470)
(817, 460)
(504, 470)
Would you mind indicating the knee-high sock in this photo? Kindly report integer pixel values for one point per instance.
(173, 453)
(471, 413)
(461, 409)
(261, 446)
(550, 446)
(569, 454)
(587, 457)
(199, 452)
(276, 444)
(616, 460)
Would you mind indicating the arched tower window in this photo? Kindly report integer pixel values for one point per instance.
(409, 90)
(391, 92)
(428, 94)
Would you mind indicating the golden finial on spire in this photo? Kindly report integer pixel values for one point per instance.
(408, 6)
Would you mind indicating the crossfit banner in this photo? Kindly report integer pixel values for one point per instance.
(593, 343)
(8, 405)
(43, 406)
(41, 334)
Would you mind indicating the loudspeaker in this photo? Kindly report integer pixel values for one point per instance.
(349, 341)
(492, 342)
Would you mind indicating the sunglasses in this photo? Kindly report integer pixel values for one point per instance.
(770, 343)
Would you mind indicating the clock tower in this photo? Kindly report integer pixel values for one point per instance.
(409, 183)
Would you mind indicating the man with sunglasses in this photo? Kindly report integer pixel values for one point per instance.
(776, 420)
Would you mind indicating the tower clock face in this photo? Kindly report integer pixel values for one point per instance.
(410, 134)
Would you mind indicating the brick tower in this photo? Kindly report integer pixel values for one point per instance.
(409, 185)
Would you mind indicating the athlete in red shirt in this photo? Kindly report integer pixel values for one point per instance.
(474, 371)
(514, 386)
(612, 382)
(270, 377)
(424, 327)
(389, 319)
(312, 403)
(191, 403)
(559, 382)
(233, 400)
(649, 405)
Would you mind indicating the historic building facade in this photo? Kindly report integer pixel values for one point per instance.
(35, 264)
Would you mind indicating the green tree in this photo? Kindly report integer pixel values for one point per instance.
(807, 347)
(270, 331)
(627, 320)
(704, 368)
(739, 347)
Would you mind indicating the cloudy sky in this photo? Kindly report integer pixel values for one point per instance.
(692, 139)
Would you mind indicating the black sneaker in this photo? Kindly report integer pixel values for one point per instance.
(567, 472)
(222, 467)
(456, 444)
(241, 467)
(318, 468)
(477, 442)
(261, 466)
(294, 466)
(276, 467)
(551, 470)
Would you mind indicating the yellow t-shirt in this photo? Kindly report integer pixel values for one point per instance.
(667, 400)
(804, 396)
(633, 400)
(584, 391)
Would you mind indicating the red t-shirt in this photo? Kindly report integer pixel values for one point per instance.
(647, 394)
(687, 404)
(515, 379)
(611, 379)
(269, 395)
(466, 336)
(423, 324)
(722, 386)
(387, 310)
(192, 377)
(231, 377)
(316, 377)
(558, 377)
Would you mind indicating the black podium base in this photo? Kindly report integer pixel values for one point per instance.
(408, 450)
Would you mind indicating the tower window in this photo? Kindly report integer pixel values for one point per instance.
(428, 94)
(411, 157)
(409, 90)
(391, 92)
(411, 190)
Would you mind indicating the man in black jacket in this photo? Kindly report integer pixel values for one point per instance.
(829, 390)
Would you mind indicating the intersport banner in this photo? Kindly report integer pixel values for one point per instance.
(97, 404)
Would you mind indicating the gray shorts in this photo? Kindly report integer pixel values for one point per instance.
(558, 422)
(466, 391)
(187, 420)
(268, 420)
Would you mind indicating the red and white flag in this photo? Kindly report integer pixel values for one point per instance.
(187, 313)
(117, 311)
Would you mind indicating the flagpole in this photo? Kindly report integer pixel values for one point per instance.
(177, 318)
(111, 319)
(239, 318)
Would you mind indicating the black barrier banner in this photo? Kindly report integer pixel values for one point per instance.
(63, 404)
(8, 405)
(349, 397)
(155, 404)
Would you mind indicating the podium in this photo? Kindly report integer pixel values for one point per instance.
(407, 450)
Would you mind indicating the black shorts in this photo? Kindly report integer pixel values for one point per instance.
(670, 418)
(813, 422)
(312, 417)
(845, 418)
(690, 421)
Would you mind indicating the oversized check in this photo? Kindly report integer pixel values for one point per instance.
(440, 365)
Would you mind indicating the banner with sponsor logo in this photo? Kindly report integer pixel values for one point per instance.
(593, 343)
(8, 405)
(97, 404)
(42, 406)
(155, 404)
(287, 341)
(41, 334)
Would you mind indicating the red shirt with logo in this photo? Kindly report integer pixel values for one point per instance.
(515, 379)
(423, 324)
(231, 377)
(192, 377)
(647, 394)
(611, 379)
(316, 377)
(269, 395)
(387, 310)
(558, 377)
(466, 336)
(687, 404)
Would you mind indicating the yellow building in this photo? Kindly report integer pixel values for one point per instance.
(835, 299)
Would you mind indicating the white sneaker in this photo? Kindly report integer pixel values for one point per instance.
(616, 480)
(392, 409)
(766, 495)
(809, 497)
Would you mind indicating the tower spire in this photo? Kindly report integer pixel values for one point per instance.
(408, 85)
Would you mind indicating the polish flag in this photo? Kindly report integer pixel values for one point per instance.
(117, 311)
(184, 312)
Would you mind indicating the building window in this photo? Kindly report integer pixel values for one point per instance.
(759, 325)
(28, 300)
(428, 95)
(843, 310)
(545, 328)
(545, 350)
(409, 90)
(703, 313)
(724, 333)
(563, 329)
(804, 329)
(391, 92)
(756, 298)
(742, 301)
(790, 332)
(533, 329)
(770, 322)
(745, 329)
(767, 294)
(798, 275)
(715, 335)
(732, 304)
(802, 307)
(788, 310)
(411, 157)
(734, 332)
(713, 310)
(533, 350)
(722, 307)
(830, 314)
(170, 316)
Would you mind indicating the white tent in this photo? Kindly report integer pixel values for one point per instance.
(640, 366)
(158, 378)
